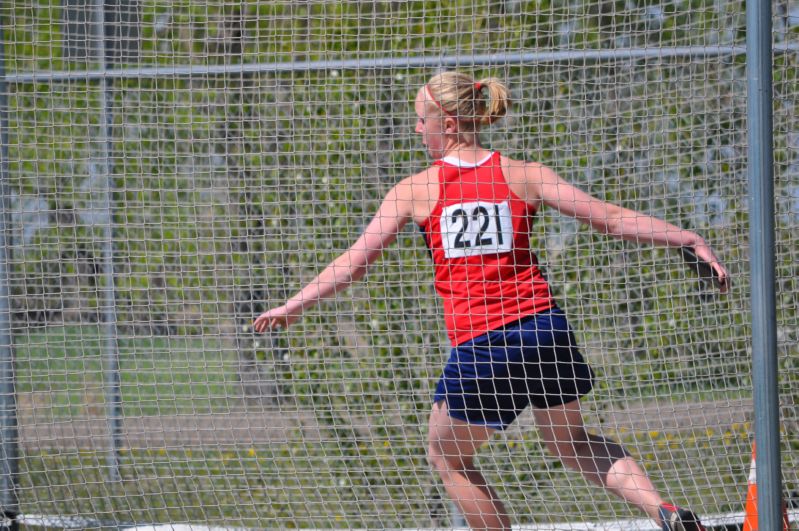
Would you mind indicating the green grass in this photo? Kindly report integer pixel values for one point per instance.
(342, 479)
(329, 484)
(265, 487)
(61, 368)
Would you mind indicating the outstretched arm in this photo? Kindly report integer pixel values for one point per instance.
(545, 185)
(350, 266)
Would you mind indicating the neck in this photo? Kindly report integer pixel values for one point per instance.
(467, 152)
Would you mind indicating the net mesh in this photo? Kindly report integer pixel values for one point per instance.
(190, 164)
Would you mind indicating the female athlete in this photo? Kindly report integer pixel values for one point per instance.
(511, 344)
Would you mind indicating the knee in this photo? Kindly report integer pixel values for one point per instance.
(436, 457)
(442, 461)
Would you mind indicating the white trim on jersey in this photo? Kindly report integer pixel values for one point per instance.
(455, 161)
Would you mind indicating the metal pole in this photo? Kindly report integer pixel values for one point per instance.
(761, 238)
(112, 379)
(527, 58)
(9, 435)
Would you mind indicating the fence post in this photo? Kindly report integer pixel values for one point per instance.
(9, 434)
(113, 393)
(762, 249)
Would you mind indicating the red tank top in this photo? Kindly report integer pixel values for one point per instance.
(478, 235)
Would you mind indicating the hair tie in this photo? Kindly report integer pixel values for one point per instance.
(478, 86)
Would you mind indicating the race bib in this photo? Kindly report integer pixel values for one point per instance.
(480, 227)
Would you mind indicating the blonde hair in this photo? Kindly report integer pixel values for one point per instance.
(459, 95)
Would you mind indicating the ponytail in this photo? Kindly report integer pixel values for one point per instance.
(458, 95)
(495, 98)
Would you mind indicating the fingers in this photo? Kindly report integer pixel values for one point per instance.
(722, 277)
(262, 326)
(266, 321)
(262, 323)
(723, 283)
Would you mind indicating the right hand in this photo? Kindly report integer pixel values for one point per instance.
(275, 318)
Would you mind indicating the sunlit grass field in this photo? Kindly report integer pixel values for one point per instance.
(342, 478)
(64, 366)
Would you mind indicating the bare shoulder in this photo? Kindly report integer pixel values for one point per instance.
(526, 179)
(420, 191)
(420, 184)
(525, 171)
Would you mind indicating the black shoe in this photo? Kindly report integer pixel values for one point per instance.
(676, 519)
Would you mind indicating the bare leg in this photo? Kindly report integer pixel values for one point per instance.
(600, 460)
(452, 444)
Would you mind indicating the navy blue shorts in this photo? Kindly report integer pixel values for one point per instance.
(490, 379)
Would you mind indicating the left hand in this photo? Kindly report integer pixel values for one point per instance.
(706, 254)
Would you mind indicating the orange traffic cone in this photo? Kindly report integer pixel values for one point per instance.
(750, 520)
